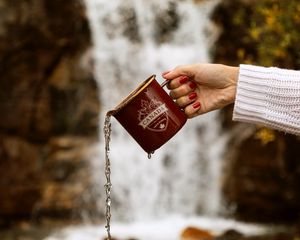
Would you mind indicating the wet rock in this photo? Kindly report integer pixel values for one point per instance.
(234, 235)
(230, 235)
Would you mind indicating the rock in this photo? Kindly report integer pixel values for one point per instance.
(50, 180)
(230, 235)
(262, 174)
(49, 107)
(193, 233)
(41, 67)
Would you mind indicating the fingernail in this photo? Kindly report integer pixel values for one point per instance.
(192, 95)
(192, 85)
(183, 79)
(196, 105)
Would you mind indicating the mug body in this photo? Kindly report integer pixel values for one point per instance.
(150, 115)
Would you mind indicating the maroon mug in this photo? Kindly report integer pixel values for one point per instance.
(150, 115)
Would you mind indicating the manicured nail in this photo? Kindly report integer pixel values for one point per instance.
(196, 105)
(192, 85)
(192, 95)
(183, 79)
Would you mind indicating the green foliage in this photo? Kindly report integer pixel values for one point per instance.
(264, 32)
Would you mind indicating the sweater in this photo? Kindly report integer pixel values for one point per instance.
(268, 96)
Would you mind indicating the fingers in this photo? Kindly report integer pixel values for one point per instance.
(177, 82)
(187, 99)
(193, 109)
(182, 90)
(180, 75)
(184, 70)
(191, 104)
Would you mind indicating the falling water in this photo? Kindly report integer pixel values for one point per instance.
(107, 185)
(134, 39)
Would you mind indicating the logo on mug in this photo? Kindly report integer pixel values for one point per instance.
(153, 115)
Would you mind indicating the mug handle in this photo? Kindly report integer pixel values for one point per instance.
(164, 83)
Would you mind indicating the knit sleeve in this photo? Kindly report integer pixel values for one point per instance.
(268, 96)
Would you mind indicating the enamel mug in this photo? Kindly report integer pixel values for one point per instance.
(150, 115)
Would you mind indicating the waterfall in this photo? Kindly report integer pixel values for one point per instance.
(134, 39)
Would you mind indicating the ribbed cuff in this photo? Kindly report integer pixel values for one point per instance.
(268, 96)
(250, 102)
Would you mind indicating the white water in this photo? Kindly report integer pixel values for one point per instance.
(162, 229)
(183, 176)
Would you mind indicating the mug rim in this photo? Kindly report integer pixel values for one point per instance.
(132, 95)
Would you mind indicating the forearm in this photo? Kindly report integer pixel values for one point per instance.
(268, 96)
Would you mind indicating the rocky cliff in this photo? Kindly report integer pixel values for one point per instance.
(49, 109)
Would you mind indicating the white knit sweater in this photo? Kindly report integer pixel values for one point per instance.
(269, 96)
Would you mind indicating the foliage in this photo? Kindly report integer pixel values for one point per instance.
(264, 32)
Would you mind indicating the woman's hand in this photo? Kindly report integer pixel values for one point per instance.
(201, 88)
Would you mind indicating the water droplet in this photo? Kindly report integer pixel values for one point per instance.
(150, 154)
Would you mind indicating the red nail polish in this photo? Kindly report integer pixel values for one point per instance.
(183, 79)
(192, 85)
(192, 95)
(196, 105)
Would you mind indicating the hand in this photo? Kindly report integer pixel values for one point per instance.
(201, 88)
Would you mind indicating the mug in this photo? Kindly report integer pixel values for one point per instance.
(150, 115)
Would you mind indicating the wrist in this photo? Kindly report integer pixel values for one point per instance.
(232, 79)
(233, 75)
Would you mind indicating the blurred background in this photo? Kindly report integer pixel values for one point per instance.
(64, 64)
